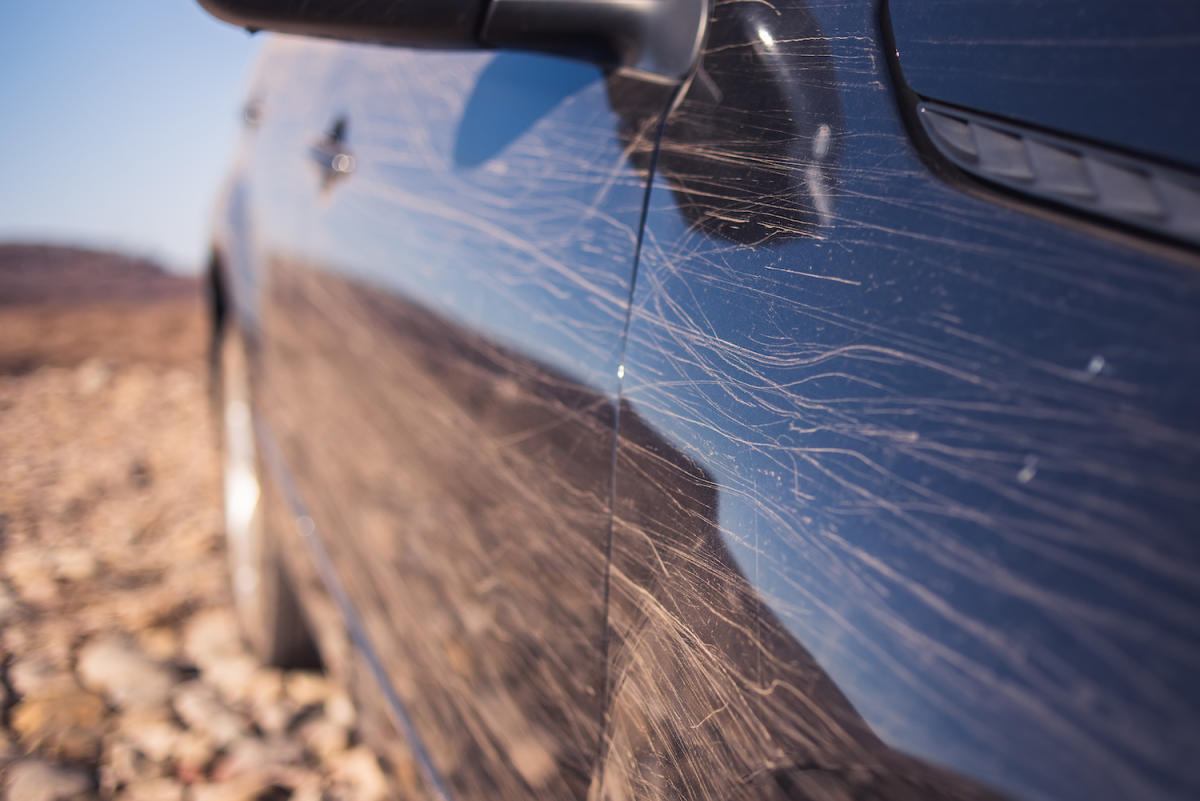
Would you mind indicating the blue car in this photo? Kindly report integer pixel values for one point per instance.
(665, 399)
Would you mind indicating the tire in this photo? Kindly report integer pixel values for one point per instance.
(267, 610)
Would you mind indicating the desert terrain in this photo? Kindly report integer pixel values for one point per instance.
(121, 671)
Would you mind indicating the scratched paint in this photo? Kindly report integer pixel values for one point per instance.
(934, 495)
(904, 503)
(438, 335)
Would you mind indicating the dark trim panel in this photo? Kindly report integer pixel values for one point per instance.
(1132, 191)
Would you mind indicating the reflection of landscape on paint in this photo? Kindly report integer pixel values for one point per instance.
(508, 446)
(879, 460)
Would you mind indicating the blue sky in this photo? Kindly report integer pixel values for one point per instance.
(117, 122)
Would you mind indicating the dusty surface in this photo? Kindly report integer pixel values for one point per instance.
(122, 673)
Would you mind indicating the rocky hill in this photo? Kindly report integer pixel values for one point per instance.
(36, 273)
(61, 306)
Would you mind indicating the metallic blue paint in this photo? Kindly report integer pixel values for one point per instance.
(717, 446)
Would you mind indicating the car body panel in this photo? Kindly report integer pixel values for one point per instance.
(1111, 72)
(437, 356)
(888, 491)
(949, 447)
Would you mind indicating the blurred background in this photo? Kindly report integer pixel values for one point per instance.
(117, 121)
(122, 674)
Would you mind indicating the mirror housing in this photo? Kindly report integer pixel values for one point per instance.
(430, 23)
(659, 38)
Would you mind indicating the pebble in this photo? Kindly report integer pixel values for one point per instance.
(37, 780)
(8, 750)
(152, 733)
(191, 756)
(28, 674)
(73, 564)
(306, 688)
(159, 642)
(114, 667)
(358, 771)
(9, 605)
(62, 721)
(211, 637)
(159, 789)
(340, 710)
(323, 738)
(123, 653)
(92, 377)
(123, 764)
(33, 577)
(242, 788)
(232, 677)
(199, 707)
(252, 754)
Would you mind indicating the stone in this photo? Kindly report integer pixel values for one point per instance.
(266, 686)
(33, 577)
(37, 780)
(115, 668)
(151, 732)
(15, 639)
(242, 788)
(159, 642)
(307, 788)
(9, 606)
(191, 756)
(8, 750)
(211, 637)
(149, 607)
(92, 377)
(359, 772)
(323, 738)
(55, 640)
(339, 709)
(212, 642)
(264, 697)
(232, 677)
(27, 674)
(62, 721)
(253, 755)
(201, 709)
(113, 587)
(306, 688)
(123, 764)
(73, 564)
(158, 789)
(273, 720)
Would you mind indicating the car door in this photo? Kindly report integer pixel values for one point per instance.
(446, 244)
(906, 493)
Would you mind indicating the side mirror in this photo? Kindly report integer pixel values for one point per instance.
(659, 38)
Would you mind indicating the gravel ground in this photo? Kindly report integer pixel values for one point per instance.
(122, 672)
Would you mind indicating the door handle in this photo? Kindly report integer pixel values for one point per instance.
(331, 156)
(331, 159)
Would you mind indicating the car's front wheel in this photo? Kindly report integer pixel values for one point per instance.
(269, 616)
